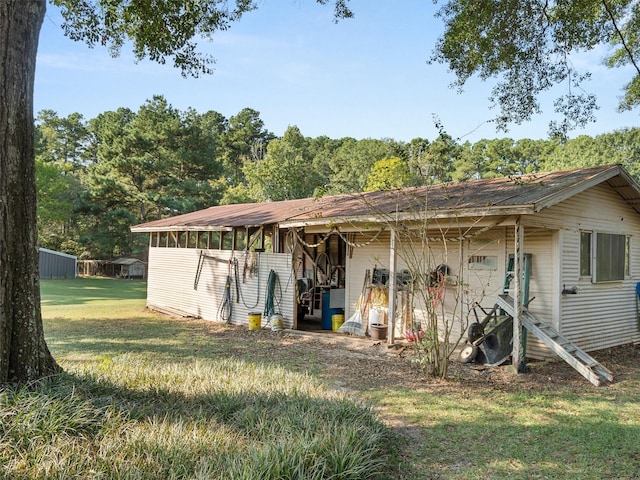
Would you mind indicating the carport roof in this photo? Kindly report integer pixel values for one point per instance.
(525, 194)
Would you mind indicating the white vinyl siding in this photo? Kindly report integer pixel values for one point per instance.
(367, 257)
(599, 315)
(172, 274)
(543, 285)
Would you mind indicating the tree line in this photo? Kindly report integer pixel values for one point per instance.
(97, 177)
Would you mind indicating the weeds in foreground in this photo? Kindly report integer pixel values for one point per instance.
(130, 418)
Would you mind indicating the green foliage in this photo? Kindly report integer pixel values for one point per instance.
(353, 159)
(621, 147)
(285, 173)
(501, 157)
(61, 154)
(245, 140)
(97, 178)
(62, 141)
(527, 46)
(158, 30)
(235, 195)
(387, 174)
(150, 164)
(54, 205)
(436, 163)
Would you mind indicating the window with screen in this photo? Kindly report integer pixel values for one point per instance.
(610, 257)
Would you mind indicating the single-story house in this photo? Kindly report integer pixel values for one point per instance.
(569, 241)
(56, 265)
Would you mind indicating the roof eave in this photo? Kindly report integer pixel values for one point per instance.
(412, 216)
(181, 228)
(584, 185)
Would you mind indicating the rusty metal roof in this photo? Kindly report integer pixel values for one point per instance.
(524, 194)
(228, 216)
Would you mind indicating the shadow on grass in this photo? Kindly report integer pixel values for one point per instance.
(158, 432)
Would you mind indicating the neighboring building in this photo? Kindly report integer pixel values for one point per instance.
(120, 267)
(130, 268)
(56, 265)
(580, 230)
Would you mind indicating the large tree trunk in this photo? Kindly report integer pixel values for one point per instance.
(24, 356)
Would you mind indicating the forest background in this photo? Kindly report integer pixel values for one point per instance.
(97, 177)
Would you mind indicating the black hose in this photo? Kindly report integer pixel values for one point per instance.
(226, 307)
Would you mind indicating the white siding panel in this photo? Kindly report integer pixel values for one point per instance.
(456, 302)
(483, 285)
(367, 257)
(541, 244)
(451, 307)
(172, 274)
(599, 315)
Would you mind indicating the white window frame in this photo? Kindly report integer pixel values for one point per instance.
(596, 256)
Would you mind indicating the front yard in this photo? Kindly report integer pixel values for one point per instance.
(481, 423)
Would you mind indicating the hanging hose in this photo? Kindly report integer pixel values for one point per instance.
(240, 295)
(271, 302)
(237, 281)
(226, 307)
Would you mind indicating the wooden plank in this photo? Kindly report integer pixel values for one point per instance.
(586, 365)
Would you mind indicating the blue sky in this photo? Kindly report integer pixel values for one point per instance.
(366, 77)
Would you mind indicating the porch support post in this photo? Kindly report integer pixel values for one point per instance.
(392, 289)
(518, 306)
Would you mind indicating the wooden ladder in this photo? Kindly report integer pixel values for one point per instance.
(586, 365)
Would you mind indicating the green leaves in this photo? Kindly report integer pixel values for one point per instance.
(157, 29)
(160, 30)
(527, 47)
(286, 171)
(387, 174)
(155, 163)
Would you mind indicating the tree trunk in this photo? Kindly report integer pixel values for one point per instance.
(24, 355)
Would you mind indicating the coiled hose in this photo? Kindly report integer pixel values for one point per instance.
(226, 307)
(271, 302)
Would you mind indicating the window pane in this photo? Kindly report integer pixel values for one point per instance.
(203, 240)
(192, 238)
(241, 239)
(182, 240)
(214, 240)
(585, 254)
(610, 257)
(227, 240)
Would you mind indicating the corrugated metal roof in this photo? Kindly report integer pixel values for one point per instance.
(507, 195)
(227, 216)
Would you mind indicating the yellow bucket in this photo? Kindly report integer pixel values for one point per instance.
(336, 322)
(255, 321)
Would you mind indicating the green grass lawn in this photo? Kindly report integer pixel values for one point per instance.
(146, 396)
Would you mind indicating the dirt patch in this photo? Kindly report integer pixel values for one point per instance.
(355, 363)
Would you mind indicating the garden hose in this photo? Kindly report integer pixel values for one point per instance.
(226, 307)
(239, 294)
(271, 301)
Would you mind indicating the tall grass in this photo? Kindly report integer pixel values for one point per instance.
(146, 397)
(154, 412)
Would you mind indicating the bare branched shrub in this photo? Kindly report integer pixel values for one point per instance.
(437, 320)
